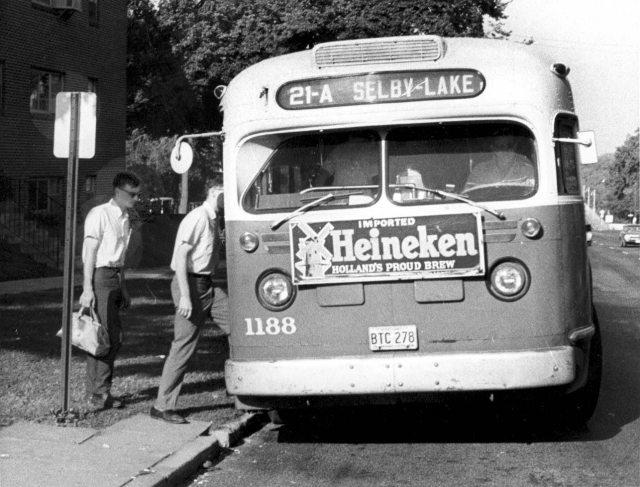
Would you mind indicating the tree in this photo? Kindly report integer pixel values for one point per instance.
(595, 177)
(149, 158)
(180, 51)
(623, 177)
(216, 39)
(160, 100)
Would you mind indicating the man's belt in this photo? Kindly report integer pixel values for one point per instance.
(199, 276)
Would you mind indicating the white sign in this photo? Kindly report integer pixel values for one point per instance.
(86, 125)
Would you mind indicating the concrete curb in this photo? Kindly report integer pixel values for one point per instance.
(184, 462)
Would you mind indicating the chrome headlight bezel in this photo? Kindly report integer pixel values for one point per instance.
(275, 290)
(505, 273)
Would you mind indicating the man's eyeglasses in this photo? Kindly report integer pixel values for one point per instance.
(133, 194)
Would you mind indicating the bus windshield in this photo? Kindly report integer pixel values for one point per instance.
(482, 162)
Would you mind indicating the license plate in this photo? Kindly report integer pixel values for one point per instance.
(393, 337)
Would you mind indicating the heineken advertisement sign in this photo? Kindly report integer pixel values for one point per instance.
(374, 88)
(387, 249)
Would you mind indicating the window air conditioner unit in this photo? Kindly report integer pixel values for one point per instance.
(73, 5)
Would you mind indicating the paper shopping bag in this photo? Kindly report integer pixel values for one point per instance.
(87, 334)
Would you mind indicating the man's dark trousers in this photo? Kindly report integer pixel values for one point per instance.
(108, 293)
(186, 334)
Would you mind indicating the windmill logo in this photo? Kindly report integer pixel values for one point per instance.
(313, 258)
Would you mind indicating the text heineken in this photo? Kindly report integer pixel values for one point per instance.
(422, 247)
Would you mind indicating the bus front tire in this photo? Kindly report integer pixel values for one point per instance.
(580, 405)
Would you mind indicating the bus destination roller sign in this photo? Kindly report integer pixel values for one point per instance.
(372, 88)
(419, 247)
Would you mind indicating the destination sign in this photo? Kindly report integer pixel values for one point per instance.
(418, 247)
(375, 88)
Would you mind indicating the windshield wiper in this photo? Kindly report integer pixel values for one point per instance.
(313, 204)
(446, 194)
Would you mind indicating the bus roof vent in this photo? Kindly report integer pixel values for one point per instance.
(376, 51)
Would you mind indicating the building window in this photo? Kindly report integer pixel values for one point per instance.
(38, 194)
(42, 2)
(93, 12)
(55, 186)
(90, 184)
(44, 88)
(1, 87)
(92, 87)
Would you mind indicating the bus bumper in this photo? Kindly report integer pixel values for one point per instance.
(403, 373)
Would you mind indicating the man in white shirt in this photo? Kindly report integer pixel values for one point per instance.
(106, 237)
(195, 257)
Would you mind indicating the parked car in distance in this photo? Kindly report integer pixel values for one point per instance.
(630, 235)
(589, 233)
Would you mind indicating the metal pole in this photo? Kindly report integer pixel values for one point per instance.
(184, 193)
(70, 247)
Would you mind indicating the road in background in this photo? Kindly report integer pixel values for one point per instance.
(474, 443)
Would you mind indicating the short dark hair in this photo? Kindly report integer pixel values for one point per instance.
(214, 182)
(124, 178)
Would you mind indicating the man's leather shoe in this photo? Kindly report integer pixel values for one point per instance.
(105, 401)
(167, 415)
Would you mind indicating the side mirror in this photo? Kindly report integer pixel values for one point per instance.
(586, 142)
(181, 157)
(587, 147)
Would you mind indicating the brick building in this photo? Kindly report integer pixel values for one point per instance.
(47, 46)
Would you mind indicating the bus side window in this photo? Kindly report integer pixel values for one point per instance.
(566, 157)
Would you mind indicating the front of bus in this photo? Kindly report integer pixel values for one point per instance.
(400, 223)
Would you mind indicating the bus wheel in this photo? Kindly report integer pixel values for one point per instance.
(580, 405)
(286, 416)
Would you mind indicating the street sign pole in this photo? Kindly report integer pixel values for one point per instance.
(72, 140)
(69, 247)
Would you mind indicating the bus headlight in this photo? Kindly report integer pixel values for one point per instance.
(509, 280)
(274, 290)
(249, 242)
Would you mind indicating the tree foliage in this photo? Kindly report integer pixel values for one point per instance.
(179, 52)
(149, 158)
(160, 100)
(623, 179)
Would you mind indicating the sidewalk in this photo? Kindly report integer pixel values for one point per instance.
(45, 283)
(136, 452)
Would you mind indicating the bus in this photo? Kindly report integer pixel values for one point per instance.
(404, 221)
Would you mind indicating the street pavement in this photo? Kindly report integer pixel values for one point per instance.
(137, 452)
